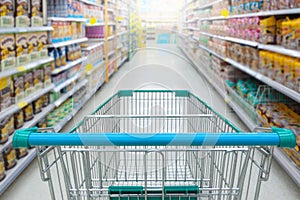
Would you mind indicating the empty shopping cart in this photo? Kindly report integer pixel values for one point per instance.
(154, 145)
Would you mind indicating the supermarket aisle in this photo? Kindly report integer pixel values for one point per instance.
(152, 69)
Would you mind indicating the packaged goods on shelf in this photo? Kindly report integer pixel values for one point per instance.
(42, 123)
(7, 19)
(60, 113)
(47, 70)
(93, 14)
(42, 42)
(37, 106)
(95, 32)
(28, 83)
(21, 13)
(6, 128)
(65, 8)
(33, 47)
(79, 96)
(65, 31)
(18, 87)
(9, 155)
(7, 51)
(22, 57)
(21, 152)
(19, 119)
(36, 12)
(37, 79)
(28, 112)
(5, 93)
(2, 168)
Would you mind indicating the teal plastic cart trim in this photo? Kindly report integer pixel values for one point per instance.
(287, 137)
(125, 93)
(182, 93)
(125, 189)
(21, 137)
(181, 189)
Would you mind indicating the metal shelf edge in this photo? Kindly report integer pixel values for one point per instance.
(66, 43)
(68, 65)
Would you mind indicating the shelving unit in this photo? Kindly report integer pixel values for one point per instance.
(194, 43)
(90, 71)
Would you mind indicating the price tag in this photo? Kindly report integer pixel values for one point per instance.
(3, 83)
(120, 18)
(88, 67)
(93, 20)
(225, 13)
(22, 104)
(21, 68)
(227, 59)
(226, 100)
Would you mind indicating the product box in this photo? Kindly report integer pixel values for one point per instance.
(18, 87)
(47, 69)
(22, 49)
(36, 11)
(21, 13)
(7, 14)
(42, 42)
(5, 93)
(7, 51)
(28, 83)
(33, 44)
(37, 79)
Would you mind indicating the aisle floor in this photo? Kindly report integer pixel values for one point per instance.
(153, 69)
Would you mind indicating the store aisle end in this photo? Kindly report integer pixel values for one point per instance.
(153, 69)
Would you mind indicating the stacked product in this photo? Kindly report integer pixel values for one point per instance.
(22, 48)
(60, 113)
(20, 13)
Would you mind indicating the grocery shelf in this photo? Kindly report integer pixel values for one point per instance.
(67, 19)
(110, 37)
(92, 46)
(122, 33)
(29, 124)
(239, 111)
(58, 126)
(66, 43)
(96, 24)
(66, 83)
(280, 49)
(192, 20)
(68, 65)
(64, 97)
(122, 61)
(26, 67)
(274, 84)
(13, 173)
(208, 5)
(91, 3)
(110, 10)
(94, 68)
(193, 28)
(96, 39)
(111, 53)
(286, 164)
(294, 11)
(16, 107)
(25, 29)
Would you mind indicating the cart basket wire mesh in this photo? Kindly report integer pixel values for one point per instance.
(152, 144)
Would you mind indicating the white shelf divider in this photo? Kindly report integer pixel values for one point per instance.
(66, 43)
(25, 29)
(26, 67)
(68, 65)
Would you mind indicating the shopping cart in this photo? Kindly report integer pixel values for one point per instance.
(154, 145)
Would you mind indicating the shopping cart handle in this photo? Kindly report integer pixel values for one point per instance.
(31, 137)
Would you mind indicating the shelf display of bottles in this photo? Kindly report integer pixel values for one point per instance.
(254, 41)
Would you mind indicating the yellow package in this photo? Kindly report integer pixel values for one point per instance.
(287, 33)
(269, 64)
(262, 61)
(278, 67)
(279, 31)
(297, 33)
(288, 69)
(297, 75)
(268, 30)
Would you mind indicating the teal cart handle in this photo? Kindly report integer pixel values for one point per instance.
(31, 137)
